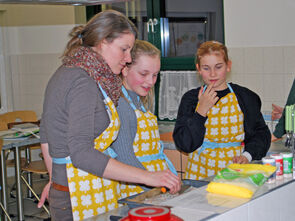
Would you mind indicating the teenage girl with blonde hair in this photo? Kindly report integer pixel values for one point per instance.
(138, 143)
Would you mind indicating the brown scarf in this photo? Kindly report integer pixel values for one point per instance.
(97, 68)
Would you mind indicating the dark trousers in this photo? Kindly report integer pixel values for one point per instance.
(60, 205)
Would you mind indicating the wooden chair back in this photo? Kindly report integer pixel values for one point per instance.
(19, 116)
(3, 125)
(7, 120)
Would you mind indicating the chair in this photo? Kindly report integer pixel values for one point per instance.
(37, 167)
(3, 126)
(29, 167)
(1, 205)
(19, 116)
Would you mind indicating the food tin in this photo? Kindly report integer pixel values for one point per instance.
(279, 164)
(270, 161)
(288, 164)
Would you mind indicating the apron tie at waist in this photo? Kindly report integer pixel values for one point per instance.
(213, 145)
(159, 156)
(110, 152)
(63, 160)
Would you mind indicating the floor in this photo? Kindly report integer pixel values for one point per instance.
(31, 212)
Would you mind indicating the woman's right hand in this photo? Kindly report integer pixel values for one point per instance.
(122, 172)
(206, 100)
(163, 178)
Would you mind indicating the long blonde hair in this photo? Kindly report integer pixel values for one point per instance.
(107, 25)
(145, 48)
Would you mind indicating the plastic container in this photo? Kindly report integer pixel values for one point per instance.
(270, 161)
(151, 213)
(279, 164)
(288, 164)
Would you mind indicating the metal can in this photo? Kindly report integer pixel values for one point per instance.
(270, 161)
(288, 164)
(279, 164)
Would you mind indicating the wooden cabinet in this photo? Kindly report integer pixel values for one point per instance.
(179, 159)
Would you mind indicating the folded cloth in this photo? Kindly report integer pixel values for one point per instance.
(240, 180)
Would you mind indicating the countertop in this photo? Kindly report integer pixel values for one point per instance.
(205, 209)
(207, 206)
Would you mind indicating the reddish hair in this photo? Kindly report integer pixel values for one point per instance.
(211, 47)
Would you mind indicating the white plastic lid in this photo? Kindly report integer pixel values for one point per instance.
(287, 154)
(268, 160)
(276, 156)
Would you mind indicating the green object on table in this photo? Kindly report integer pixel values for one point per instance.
(288, 118)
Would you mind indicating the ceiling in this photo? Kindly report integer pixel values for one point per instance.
(60, 2)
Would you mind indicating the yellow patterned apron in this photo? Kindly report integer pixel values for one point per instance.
(90, 194)
(222, 141)
(147, 147)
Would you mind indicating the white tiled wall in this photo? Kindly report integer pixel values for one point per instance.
(269, 71)
(31, 63)
(30, 75)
